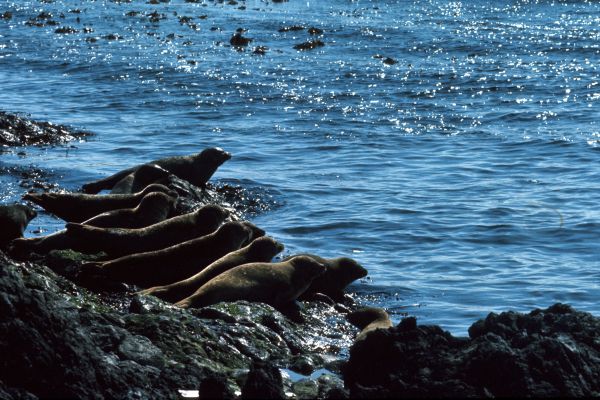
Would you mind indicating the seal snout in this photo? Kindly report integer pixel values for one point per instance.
(216, 154)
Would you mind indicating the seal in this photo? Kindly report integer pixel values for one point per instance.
(145, 175)
(262, 249)
(14, 218)
(256, 232)
(341, 272)
(172, 264)
(154, 207)
(196, 169)
(118, 242)
(78, 207)
(368, 319)
(276, 284)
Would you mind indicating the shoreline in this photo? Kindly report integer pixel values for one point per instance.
(57, 332)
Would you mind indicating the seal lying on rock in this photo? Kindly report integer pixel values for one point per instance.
(154, 207)
(162, 267)
(262, 249)
(276, 284)
(145, 175)
(368, 319)
(196, 169)
(119, 242)
(340, 273)
(14, 218)
(78, 207)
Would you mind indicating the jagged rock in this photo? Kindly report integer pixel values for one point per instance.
(263, 382)
(60, 340)
(547, 353)
(20, 131)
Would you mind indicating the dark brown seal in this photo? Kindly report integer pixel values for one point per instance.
(196, 169)
(277, 284)
(78, 207)
(145, 175)
(14, 218)
(340, 273)
(368, 319)
(119, 242)
(262, 249)
(162, 267)
(154, 207)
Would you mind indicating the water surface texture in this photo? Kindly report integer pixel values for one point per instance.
(463, 171)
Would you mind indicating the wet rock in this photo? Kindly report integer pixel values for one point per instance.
(62, 340)
(237, 40)
(305, 389)
(546, 353)
(311, 44)
(66, 30)
(263, 382)
(113, 36)
(260, 50)
(293, 28)
(6, 15)
(315, 31)
(19, 131)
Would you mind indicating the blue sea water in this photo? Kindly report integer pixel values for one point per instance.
(465, 176)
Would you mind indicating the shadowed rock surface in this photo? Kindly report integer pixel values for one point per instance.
(20, 131)
(61, 340)
(547, 353)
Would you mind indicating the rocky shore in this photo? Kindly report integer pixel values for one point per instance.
(65, 335)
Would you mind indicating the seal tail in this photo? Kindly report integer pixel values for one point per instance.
(106, 183)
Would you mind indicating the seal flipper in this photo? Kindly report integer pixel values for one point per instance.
(107, 183)
(292, 311)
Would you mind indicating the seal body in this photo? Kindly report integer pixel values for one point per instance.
(196, 169)
(145, 175)
(262, 249)
(174, 263)
(154, 207)
(14, 218)
(368, 319)
(276, 284)
(341, 272)
(78, 207)
(118, 242)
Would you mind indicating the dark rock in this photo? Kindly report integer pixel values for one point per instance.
(260, 50)
(546, 353)
(311, 44)
(6, 15)
(263, 382)
(315, 31)
(65, 30)
(19, 131)
(292, 28)
(238, 40)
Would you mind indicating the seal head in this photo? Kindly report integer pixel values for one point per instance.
(14, 218)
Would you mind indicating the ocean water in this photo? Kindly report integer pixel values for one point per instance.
(465, 176)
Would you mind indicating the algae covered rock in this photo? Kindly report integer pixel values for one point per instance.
(60, 340)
